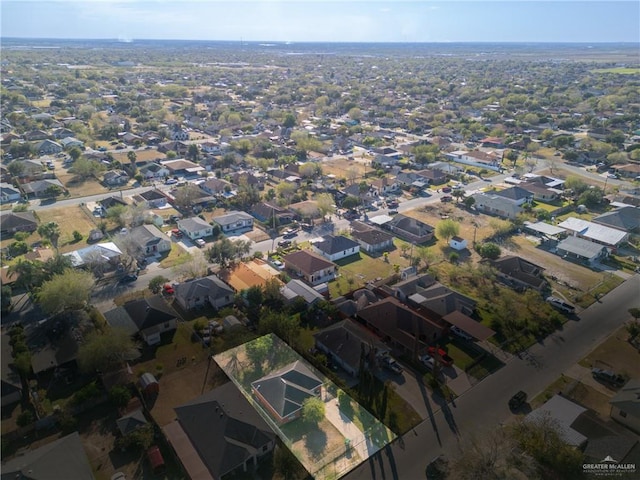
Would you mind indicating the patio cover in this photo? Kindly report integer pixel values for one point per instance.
(469, 325)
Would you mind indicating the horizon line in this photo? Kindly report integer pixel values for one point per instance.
(291, 42)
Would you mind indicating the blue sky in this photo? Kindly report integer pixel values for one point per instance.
(326, 20)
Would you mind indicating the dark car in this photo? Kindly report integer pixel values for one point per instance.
(517, 400)
(446, 190)
(607, 376)
(284, 243)
(131, 277)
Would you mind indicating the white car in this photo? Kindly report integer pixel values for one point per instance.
(461, 333)
(427, 361)
(200, 242)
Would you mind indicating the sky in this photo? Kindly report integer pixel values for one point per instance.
(587, 21)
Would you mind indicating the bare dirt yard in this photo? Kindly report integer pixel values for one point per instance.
(69, 219)
(616, 354)
(341, 167)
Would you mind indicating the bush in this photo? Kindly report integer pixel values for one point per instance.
(120, 395)
(86, 393)
(156, 283)
(18, 248)
(77, 236)
(21, 236)
(25, 418)
(489, 250)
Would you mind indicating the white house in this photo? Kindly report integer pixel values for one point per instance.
(476, 158)
(195, 227)
(153, 170)
(458, 243)
(234, 222)
(336, 247)
(179, 135)
(9, 193)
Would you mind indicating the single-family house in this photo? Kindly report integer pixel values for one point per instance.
(446, 168)
(150, 240)
(35, 135)
(194, 227)
(99, 254)
(219, 433)
(306, 209)
(60, 133)
(314, 268)
(180, 135)
(384, 186)
(153, 170)
(629, 170)
(61, 458)
(607, 236)
(9, 193)
(564, 413)
(413, 180)
(371, 239)
(540, 192)
(410, 229)
(12, 222)
(283, 392)
(112, 201)
(150, 199)
(625, 219)
(265, 212)
(216, 186)
(131, 422)
(201, 291)
(235, 222)
(70, 142)
(517, 195)
(625, 405)
(519, 273)
(344, 343)
(211, 148)
(42, 188)
(182, 167)
(400, 326)
(336, 247)
(148, 317)
(48, 147)
(433, 175)
(115, 178)
(581, 249)
(476, 158)
(496, 205)
(298, 289)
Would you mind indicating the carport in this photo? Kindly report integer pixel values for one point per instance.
(469, 325)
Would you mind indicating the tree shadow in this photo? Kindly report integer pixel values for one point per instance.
(315, 441)
(427, 403)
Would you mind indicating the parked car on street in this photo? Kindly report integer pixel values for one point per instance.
(130, 277)
(561, 304)
(284, 243)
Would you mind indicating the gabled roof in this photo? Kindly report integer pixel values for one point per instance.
(628, 398)
(593, 231)
(217, 432)
(286, 389)
(410, 225)
(345, 339)
(131, 422)
(11, 220)
(297, 288)
(307, 262)
(331, 244)
(62, 458)
(581, 247)
(520, 269)
(147, 235)
(232, 217)
(564, 412)
(150, 311)
(210, 286)
(626, 219)
(193, 224)
(41, 185)
(514, 193)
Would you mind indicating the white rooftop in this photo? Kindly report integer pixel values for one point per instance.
(594, 231)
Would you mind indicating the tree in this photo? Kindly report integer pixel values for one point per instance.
(634, 312)
(117, 214)
(132, 157)
(350, 202)
(5, 298)
(186, 195)
(325, 204)
(157, 282)
(458, 194)
(52, 190)
(193, 152)
(225, 251)
(25, 418)
(85, 168)
(313, 410)
(106, 351)
(69, 290)
(119, 395)
(77, 236)
(489, 250)
(469, 202)
(75, 153)
(51, 232)
(258, 350)
(447, 228)
(286, 190)
(289, 120)
(29, 273)
(591, 197)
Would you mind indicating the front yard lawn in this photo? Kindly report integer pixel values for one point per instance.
(355, 271)
(615, 353)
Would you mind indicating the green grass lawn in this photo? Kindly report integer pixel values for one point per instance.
(356, 271)
(177, 256)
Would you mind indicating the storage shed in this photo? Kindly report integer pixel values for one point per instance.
(149, 385)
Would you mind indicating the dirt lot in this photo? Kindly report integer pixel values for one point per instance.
(340, 167)
(141, 156)
(69, 219)
(616, 354)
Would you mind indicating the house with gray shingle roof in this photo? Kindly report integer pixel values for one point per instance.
(195, 227)
(219, 433)
(150, 239)
(199, 292)
(234, 222)
(282, 393)
(149, 317)
(626, 219)
(336, 247)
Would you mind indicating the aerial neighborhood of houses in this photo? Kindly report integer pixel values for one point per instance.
(223, 261)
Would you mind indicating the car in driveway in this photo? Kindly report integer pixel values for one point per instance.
(278, 264)
(458, 332)
(289, 234)
(428, 361)
(390, 363)
(168, 289)
(608, 377)
(445, 359)
(200, 242)
(517, 400)
(284, 243)
(128, 278)
(446, 190)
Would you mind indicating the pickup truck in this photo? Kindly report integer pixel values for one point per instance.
(607, 376)
(445, 359)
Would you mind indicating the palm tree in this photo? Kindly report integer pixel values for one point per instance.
(29, 273)
(51, 232)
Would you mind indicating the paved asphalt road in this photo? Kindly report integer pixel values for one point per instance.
(485, 406)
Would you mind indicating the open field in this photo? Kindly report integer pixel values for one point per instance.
(356, 271)
(68, 219)
(78, 187)
(141, 156)
(341, 166)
